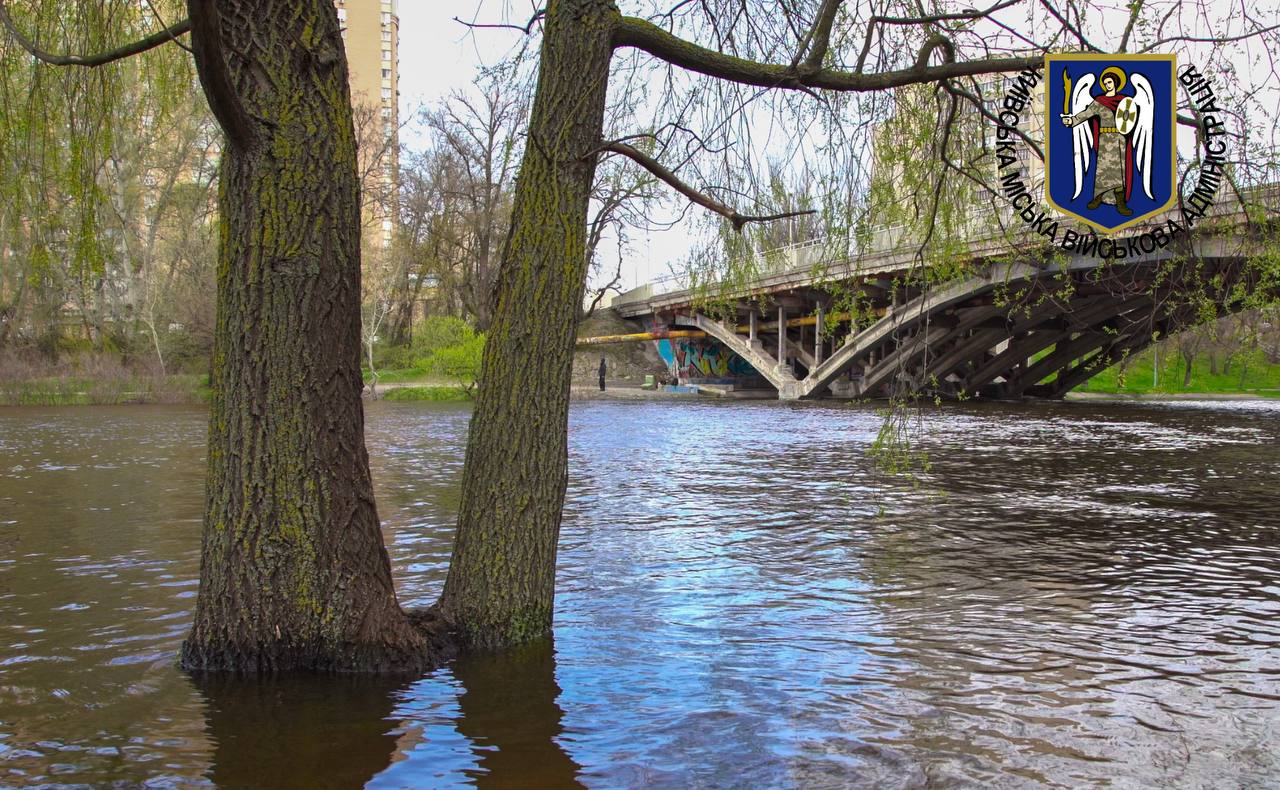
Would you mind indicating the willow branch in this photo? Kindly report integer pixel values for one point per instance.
(923, 21)
(156, 13)
(100, 59)
(648, 37)
(706, 201)
(981, 107)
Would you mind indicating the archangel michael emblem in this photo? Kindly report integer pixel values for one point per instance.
(1109, 147)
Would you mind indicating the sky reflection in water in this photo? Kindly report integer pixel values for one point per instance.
(1077, 595)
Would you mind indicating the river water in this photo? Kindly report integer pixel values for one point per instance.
(1074, 595)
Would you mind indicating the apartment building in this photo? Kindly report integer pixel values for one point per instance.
(371, 31)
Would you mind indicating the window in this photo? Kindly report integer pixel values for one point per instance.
(386, 94)
(386, 56)
(386, 17)
(386, 74)
(386, 35)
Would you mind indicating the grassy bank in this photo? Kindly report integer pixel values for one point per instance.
(397, 376)
(79, 391)
(1247, 374)
(425, 394)
(416, 384)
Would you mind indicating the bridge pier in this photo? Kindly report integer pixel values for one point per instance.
(782, 335)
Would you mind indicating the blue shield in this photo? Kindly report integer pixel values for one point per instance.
(1110, 137)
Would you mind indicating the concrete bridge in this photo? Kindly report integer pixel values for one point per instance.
(1024, 319)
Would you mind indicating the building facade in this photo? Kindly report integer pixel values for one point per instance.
(371, 32)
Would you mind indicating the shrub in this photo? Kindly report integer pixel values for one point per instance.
(460, 363)
(440, 331)
(393, 357)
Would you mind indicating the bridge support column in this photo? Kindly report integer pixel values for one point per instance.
(818, 331)
(751, 323)
(782, 335)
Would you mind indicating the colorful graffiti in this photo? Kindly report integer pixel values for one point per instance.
(701, 360)
(707, 359)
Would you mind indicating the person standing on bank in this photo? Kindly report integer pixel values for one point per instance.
(603, 367)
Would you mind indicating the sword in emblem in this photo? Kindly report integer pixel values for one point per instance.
(1066, 92)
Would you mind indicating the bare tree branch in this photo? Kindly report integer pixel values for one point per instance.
(875, 22)
(526, 29)
(706, 201)
(820, 34)
(206, 36)
(1135, 10)
(1075, 31)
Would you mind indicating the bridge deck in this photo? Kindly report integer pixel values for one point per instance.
(1028, 312)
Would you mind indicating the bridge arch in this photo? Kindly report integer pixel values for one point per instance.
(1032, 327)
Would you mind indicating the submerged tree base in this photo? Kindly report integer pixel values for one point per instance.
(428, 640)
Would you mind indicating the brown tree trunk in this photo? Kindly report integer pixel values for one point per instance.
(501, 581)
(294, 574)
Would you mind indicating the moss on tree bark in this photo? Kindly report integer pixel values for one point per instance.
(294, 573)
(501, 582)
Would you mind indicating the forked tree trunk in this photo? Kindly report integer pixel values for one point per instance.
(501, 581)
(294, 574)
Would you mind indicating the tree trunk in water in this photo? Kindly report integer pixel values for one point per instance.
(294, 574)
(501, 582)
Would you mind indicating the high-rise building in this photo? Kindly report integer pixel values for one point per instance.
(371, 31)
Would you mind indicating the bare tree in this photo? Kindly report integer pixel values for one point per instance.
(477, 136)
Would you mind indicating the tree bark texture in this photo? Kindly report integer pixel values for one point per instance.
(501, 581)
(294, 573)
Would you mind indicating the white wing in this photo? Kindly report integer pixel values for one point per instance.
(1144, 128)
(1081, 133)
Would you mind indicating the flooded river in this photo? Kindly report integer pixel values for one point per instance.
(1075, 595)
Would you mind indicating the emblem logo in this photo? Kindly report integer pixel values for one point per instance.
(1110, 150)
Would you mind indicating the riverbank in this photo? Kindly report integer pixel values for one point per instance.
(104, 391)
(1245, 376)
(581, 392)
(1170, 396)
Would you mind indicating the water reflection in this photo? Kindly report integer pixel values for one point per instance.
(509, 712)
(302, 732)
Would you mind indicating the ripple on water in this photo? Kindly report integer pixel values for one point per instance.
(1073, 595)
